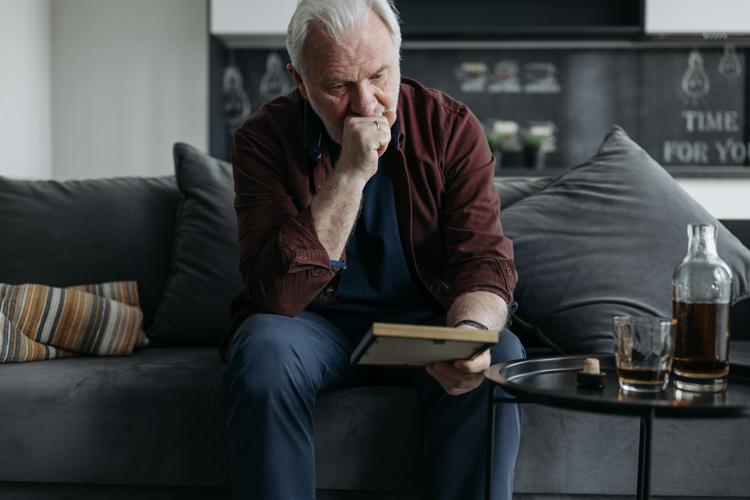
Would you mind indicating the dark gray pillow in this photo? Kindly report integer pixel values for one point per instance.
(513, 190)
(602, 239)
(205, 273)
(91, 231)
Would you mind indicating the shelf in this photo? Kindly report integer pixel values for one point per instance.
(576, 43)
(551, 33)
(682, 172)
(710, 172)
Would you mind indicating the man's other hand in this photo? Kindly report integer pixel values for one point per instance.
(462, 375)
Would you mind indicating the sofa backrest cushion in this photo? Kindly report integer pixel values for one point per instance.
(602, 239)
(92, 231)
(205, 268)
(513, 190)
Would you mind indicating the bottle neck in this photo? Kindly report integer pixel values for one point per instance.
(702, 239)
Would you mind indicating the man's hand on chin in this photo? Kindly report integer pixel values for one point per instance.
(462, 375)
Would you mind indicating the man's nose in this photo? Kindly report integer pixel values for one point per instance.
(364, 102)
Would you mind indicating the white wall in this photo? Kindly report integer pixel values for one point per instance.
(697, 16)
(129, 78)
(723, 198)
(25, 88)
(251, 17)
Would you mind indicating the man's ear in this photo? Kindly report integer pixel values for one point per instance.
(298, 80)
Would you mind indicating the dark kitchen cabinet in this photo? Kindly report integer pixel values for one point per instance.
(514, 19)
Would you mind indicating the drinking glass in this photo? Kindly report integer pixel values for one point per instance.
(644, 350)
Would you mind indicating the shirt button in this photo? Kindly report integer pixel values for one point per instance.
(329, 289)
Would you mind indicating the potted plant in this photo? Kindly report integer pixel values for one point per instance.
(502, 137)
(535, 145)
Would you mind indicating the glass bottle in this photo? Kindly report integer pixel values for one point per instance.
(702, 289)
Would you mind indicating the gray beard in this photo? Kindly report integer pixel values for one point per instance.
(335, 135)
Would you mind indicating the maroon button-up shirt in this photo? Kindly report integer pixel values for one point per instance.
(446, 203)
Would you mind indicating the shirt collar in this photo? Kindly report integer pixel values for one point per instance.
(313, 133)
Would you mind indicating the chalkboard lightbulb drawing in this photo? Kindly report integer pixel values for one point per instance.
(236, 103)
(695, 83)
(729, 65)
(274, 81)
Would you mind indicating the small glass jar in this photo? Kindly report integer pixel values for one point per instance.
(702, 291)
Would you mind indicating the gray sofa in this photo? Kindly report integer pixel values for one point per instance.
(150, 426)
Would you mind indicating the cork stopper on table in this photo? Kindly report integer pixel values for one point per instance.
(590, 376)
(591, 365)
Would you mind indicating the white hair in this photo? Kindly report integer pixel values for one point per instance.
(336, 17)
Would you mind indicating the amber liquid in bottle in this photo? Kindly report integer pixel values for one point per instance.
(702, 340)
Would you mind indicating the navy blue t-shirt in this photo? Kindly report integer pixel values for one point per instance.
(378, 283)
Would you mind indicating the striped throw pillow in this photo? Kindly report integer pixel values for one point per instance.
(44, 322)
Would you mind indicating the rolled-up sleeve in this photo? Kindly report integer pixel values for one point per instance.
(479, 255)
(283, 264)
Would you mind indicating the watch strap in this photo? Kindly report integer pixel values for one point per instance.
(471, 322)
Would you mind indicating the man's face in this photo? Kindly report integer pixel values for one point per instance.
(358, 77)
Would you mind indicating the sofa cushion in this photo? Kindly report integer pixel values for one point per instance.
(602, 239)
(151, 418)
(512, 190)
(205, 266)
(158, 418)
(92, 231)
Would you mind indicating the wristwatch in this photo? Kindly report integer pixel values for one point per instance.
(471, 322)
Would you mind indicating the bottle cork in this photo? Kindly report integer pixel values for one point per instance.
(591, 365)
(591, 376)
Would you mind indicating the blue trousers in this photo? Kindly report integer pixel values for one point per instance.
(278, 366)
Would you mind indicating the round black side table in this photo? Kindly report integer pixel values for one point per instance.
(551, 381)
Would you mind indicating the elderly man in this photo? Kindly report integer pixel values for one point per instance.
(362, 197)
